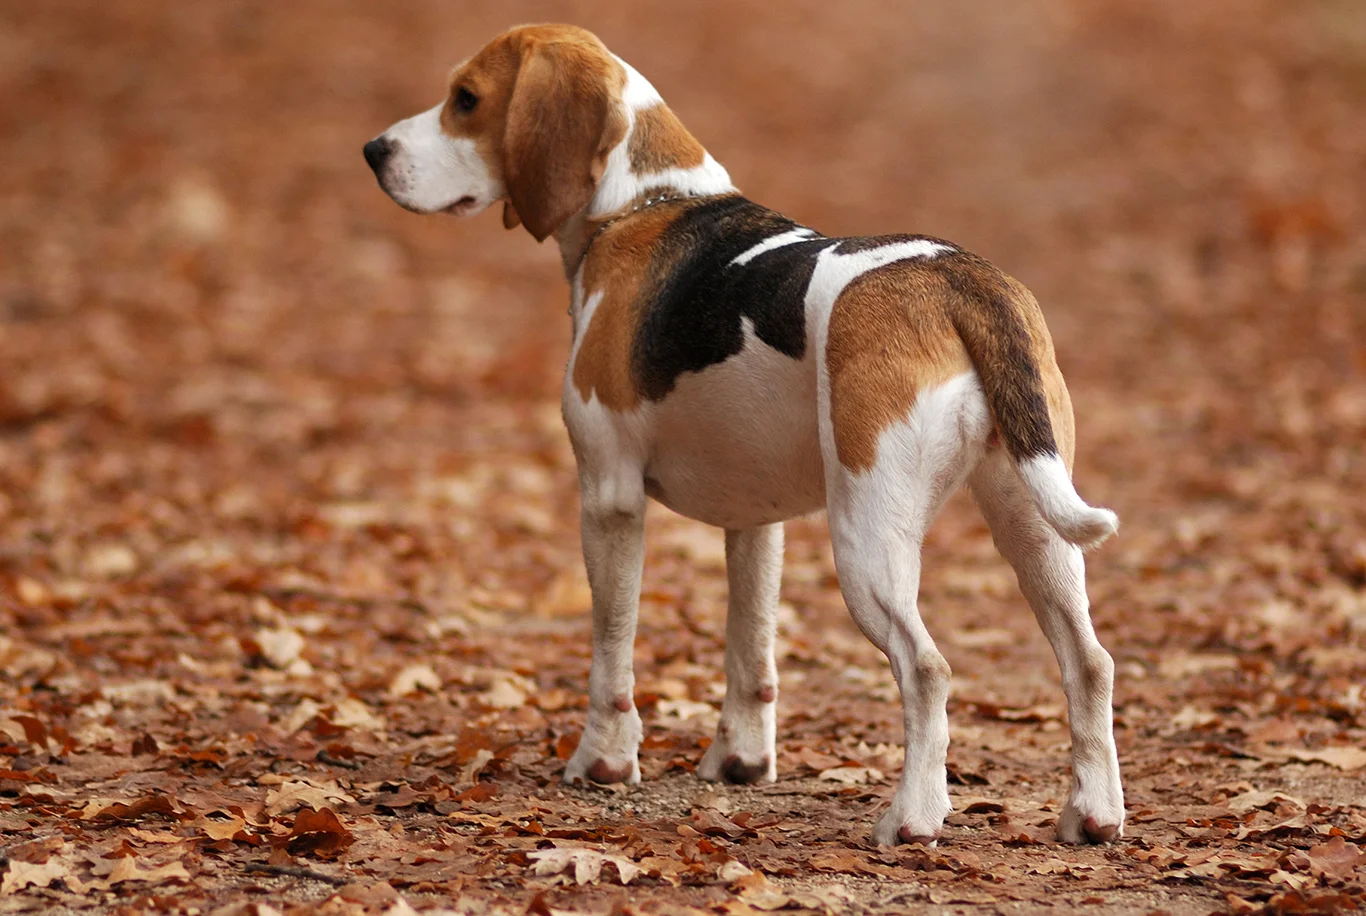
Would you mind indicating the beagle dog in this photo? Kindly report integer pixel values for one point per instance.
(743, 369)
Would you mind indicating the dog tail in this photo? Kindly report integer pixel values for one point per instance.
(1002, 329)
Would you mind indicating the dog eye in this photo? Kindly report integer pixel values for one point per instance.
(465, 100)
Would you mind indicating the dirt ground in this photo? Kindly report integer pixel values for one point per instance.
(292, 615)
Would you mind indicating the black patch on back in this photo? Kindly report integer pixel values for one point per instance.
(697, 300)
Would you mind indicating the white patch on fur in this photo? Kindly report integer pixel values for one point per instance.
(619, 185)
(781, 240)
(429, 170)
(638, 93)
(1047, 480)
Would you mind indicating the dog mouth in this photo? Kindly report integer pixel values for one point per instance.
(462, 207)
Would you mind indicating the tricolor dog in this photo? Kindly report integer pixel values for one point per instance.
(742, 369)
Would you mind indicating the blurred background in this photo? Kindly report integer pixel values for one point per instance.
(211, 317)
(233, 368)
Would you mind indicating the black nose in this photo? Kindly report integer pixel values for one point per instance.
(377, 152)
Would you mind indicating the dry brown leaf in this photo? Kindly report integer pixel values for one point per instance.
(852, 776)
(220, 828)
(305, 793)
(127, 812)
(1337, 858)
(353, 713)
(320, 833)
(20, 875)
(587, 864)
(1247, 801)
(1344, 758)
(414, 679)
(280, 647)
(119, 871)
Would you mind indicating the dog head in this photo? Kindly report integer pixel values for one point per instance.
(529, 120)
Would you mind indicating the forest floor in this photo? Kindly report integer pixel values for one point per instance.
(292, 614)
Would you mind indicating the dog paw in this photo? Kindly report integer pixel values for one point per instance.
(743, 751)
(736, 769)
(891, 831)
(723, 762)
(1077, 827)
(607, 751)
(602, 770)
(915, 816)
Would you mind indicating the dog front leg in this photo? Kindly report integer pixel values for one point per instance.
(613, 526)
(744, 747)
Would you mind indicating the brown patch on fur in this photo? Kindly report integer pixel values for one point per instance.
(617, 265)
(907, 327)
(660, 141)
(889, 338)
(549, 112)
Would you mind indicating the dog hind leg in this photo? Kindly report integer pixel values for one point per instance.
(878, 520)
(1052, 575)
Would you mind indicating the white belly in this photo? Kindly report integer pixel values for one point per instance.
(737, 444)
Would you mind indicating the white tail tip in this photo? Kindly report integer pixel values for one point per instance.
(1048, 482)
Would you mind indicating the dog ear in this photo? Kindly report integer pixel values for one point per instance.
(510, 218)
(563, 120)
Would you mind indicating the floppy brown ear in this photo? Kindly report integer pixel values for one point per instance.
(510, 218)
(563, 120)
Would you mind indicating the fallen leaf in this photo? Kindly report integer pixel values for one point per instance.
(587, 864)
(1336, 859)
(352, 713)
(852, 776)
(127, 869)
(1344, 758)
(291, 796)
(320, 833)
(711, 822)
(470, 772)
(280, 648)
(20, 875)
(124, 812)
(1247, 801)
(414, 679)
(220, 828)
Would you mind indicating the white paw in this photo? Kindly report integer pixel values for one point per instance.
(607, 754)
(603, 770)
(743, 751)
(1087, 820)
(720, 763)
(916, 816)
(891, 831)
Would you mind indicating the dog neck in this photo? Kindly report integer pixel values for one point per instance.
(656, 157)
